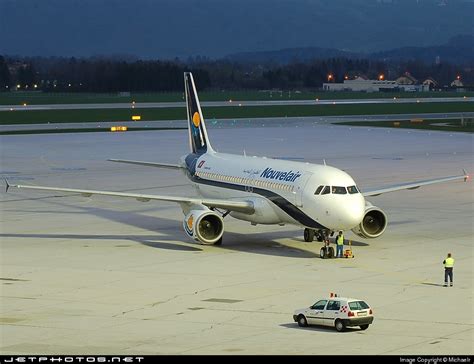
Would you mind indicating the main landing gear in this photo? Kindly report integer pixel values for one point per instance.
(311, 234)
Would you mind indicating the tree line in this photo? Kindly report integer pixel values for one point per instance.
(58, 74)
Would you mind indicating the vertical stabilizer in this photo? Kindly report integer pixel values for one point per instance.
(198, 139)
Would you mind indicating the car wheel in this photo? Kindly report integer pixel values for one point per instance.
(340, 325)
(302, 321)
(364, 327)
(308, 235)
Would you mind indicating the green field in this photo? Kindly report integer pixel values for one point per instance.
(456, 125)
(39, 98)
(227, 112)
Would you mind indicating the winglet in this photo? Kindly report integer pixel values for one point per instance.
(7, 185)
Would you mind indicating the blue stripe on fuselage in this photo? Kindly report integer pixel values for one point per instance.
(278, 200)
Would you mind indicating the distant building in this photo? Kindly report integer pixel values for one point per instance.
(364, 85)
(431, 83)
(361, 84)
(457, 84)
(406, 79)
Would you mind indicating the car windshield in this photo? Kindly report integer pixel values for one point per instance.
(319, 305)
(358, 305)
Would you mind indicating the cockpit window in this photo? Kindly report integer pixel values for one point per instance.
(339, 190)
(319, 189)
(326, 190)
(352, 189)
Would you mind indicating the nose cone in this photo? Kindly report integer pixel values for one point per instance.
(352, 212)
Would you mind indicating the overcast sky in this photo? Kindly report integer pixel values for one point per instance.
(215, 28)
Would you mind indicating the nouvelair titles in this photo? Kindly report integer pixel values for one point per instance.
(280, 175)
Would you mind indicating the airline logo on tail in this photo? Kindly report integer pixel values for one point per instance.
(198, 140)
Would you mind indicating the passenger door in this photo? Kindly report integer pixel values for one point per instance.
(315, 314)
(332, 312)
(299, 188)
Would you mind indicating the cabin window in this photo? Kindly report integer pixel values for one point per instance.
(326, 190)
(352, 189)
(318, 190)
(338, 190)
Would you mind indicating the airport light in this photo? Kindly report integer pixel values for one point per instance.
(330, 77)
(18, 86)
(346, 77)
(35, 85)
(458, 77)
(136, 117)
(118, 128)
(381, 77)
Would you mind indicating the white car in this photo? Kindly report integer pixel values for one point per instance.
(340, 312)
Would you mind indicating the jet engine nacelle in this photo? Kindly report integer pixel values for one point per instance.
(204, 226)
(373, 224)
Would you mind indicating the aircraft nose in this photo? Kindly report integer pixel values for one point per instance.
(353, 212)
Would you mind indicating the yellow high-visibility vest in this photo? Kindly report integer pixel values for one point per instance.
(340, 240)
(449, 263)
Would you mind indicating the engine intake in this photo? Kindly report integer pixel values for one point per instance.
(205, 226)
(373, 224)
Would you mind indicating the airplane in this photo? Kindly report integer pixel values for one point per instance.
(319, 198)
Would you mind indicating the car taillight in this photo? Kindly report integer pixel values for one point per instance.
(350, 313)
(370, 312)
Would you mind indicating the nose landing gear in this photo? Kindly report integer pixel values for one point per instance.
(323, 236)
(326, 251)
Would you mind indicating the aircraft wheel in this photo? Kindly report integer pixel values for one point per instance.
(308, 235)
(331, 252)
(322, 253)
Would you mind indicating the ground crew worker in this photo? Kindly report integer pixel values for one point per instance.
(340, 244)
(448, 270)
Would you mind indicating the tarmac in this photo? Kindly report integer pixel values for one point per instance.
(103, 275)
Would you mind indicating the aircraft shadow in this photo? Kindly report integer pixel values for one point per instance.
(256, 243)
(142, 239)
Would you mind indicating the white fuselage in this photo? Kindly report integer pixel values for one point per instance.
(281, 191)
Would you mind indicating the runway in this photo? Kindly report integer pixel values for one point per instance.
(128, 105)
(108, 276)
(242, 122)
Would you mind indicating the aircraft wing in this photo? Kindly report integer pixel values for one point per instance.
(232, 205)
(148, 164)
(413, 185)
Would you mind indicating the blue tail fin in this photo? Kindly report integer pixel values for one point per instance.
(198, 139)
